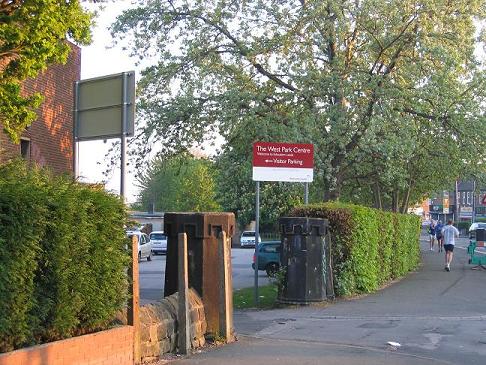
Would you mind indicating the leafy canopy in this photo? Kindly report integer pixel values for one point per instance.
(379, 87)
(34, 34)
(178, 184)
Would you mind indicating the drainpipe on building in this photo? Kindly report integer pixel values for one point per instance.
(473, 215)
(455, 218)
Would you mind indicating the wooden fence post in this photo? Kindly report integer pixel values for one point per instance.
(183, 288)
(225, 288)
(133, 310)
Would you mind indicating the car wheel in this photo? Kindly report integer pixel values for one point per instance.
(139, 256)
(149, 257)
(271, 269)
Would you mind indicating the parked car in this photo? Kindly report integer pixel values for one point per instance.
(473, 227)
(144, 245)
(247, 239)
(268, 257)
(426, 223)
(159, 242)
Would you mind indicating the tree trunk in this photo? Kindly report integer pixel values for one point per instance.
(332, 190)
(395, 201)
(377, 196)
(405, 200)
(331, 195)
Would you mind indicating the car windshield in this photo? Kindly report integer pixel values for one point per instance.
(248, 234)
(158, 236)
(481, 225)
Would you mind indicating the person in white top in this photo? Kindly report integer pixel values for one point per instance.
(449, 234)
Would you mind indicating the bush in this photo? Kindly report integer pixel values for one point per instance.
(463, 225)
(63, 257)
(369, 247)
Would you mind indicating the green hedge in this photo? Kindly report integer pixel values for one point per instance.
(369, 247)
(63, 257)
(463, 225)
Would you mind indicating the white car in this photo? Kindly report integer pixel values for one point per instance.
(474, 226)
(144, 245)
(159, 242)
(247, 239)
(477, 225)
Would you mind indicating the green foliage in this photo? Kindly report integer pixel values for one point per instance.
(369, 247)
(381, 88)
(180, 183)
(462, 225)
(34, 34)
(63, 257)
(23, 216)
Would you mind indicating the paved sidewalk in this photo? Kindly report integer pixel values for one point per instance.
(438, 317)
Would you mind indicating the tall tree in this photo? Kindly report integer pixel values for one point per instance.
(180, 184)
(337, 73)
(33, 34)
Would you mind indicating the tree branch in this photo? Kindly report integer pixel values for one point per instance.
(243, 51)
(9, 6)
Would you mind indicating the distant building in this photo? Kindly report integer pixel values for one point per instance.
(467, 203)
(149, 221)
(49, 140)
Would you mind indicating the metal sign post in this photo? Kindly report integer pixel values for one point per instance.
(306, 193)
(104, 107)
(290, 162)
(124, 129)
(257, 231)
(473, 216)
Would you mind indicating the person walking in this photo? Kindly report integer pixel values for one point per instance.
(449, 233)
(438, 235)
(432, 235)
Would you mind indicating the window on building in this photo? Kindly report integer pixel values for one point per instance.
(25, 148)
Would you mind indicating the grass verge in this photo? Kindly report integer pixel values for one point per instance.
(245, 298)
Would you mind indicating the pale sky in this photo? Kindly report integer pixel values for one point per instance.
(97, 60)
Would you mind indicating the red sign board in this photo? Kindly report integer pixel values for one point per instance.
(270, 154)
(292, 162)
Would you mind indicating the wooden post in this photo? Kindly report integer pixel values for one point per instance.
(183, 286)
(133, 310)
(225, 289)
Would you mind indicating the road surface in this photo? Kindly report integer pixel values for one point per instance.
(152, 274)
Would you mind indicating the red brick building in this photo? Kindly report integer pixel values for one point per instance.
(49, 140)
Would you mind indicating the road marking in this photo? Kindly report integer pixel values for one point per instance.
(434, 341)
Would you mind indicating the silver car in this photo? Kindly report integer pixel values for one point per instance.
(159, 242)
(144, 245)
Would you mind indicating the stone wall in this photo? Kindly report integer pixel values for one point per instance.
(158, 325)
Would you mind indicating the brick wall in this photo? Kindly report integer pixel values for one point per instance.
(110, 347)
(158, 335)
(51, 134)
